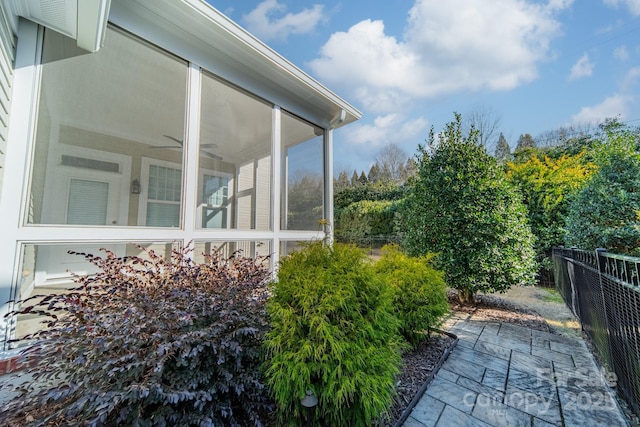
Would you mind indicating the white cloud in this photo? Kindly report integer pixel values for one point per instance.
(447, 47)
(613, 106)
(386, 129)
(617, 105)
(632, 5)
(582, 68)
(264, 23)
(630, 80)
(621, 53)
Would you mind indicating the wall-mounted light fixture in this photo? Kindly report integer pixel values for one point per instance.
(135, 187)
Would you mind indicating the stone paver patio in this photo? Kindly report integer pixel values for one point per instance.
(501, 374)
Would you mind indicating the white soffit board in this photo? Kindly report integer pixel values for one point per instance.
(59, 15)
(82, 20)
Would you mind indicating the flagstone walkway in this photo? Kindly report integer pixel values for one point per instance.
(502, 374)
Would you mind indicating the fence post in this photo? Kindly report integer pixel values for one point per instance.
(572, 281)
(600, 259)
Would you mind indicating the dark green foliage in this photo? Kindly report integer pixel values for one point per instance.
(462, 208)
(420, 294)
(333, 332)
(354, 178)
(363, 220)
(606, 212)
(358, 193)
(304, 200)
(149, 342)
(366, 213)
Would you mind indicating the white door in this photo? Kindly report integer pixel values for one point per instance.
(81, 197)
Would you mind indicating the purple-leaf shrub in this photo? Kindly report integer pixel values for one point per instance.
(148, 341)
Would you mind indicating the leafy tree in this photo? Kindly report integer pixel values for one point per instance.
(546, 185)
(606, 212)
(462, 208)
(503, 151)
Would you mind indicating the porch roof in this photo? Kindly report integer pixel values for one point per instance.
(199, 33)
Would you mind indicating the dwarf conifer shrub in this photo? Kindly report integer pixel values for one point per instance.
(333, 332)
(149, 342)
(419, 292)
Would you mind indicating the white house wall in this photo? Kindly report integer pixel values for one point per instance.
(7, 56)
(44, 123)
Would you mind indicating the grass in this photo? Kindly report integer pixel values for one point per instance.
(552, 296)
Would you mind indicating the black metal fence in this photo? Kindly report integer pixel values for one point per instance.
(603, 290)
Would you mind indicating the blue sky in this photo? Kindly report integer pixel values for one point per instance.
(409, 64)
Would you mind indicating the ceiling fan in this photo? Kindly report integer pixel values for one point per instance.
(202, 147)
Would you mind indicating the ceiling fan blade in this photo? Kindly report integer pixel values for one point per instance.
(173, 139)
(211, 155)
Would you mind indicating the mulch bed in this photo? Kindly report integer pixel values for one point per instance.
(417, 365)
(494, 308)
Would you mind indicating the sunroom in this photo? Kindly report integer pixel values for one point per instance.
(181, 129)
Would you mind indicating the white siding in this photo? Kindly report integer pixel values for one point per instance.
(263, 194)
(7, 52)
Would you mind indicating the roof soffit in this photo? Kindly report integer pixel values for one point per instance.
(199, 33)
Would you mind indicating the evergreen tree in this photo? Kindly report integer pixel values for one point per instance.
(462, 208)
(503, 151)
(525, 141)
(363, 178)
(386, 175)
(374, 173)
(342, 182)
(354, 178)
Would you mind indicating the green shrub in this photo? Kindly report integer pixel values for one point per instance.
(606, 211)
(346, 196)
(149, 341)
(333, 332)
(367, 218)
(420, 294)
(461, 207)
